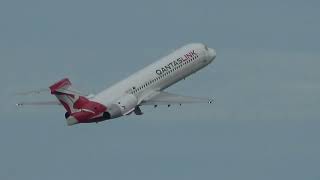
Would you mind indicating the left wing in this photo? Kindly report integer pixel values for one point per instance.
(35, 103)
(46, 90)
(165, 98)
(40, 103)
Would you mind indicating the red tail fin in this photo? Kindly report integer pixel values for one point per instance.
(77, 106)
(62, 90)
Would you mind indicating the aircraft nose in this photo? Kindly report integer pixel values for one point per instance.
(212, 54)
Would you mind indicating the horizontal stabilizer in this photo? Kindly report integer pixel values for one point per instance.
(60, 85)
(64, 86)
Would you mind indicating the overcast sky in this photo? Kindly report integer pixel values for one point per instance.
(263, 125)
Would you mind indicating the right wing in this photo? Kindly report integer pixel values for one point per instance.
(165, 98)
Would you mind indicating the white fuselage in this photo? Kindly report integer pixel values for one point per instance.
(159, 75)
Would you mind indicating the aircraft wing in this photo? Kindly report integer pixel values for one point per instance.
(40, 103)
(165, 98)
(46, 90)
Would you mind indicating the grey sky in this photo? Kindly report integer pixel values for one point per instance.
(265, 79)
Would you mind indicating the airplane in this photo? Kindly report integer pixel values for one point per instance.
(145, 87)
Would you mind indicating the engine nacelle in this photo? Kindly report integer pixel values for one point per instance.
(121, 107)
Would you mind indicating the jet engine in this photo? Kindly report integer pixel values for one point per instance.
(122, 106)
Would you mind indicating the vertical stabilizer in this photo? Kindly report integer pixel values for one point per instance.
(63, 91)
(79, 108)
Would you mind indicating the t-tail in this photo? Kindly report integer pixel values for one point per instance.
(79, 108)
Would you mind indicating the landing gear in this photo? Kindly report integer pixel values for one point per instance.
(138, 111)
